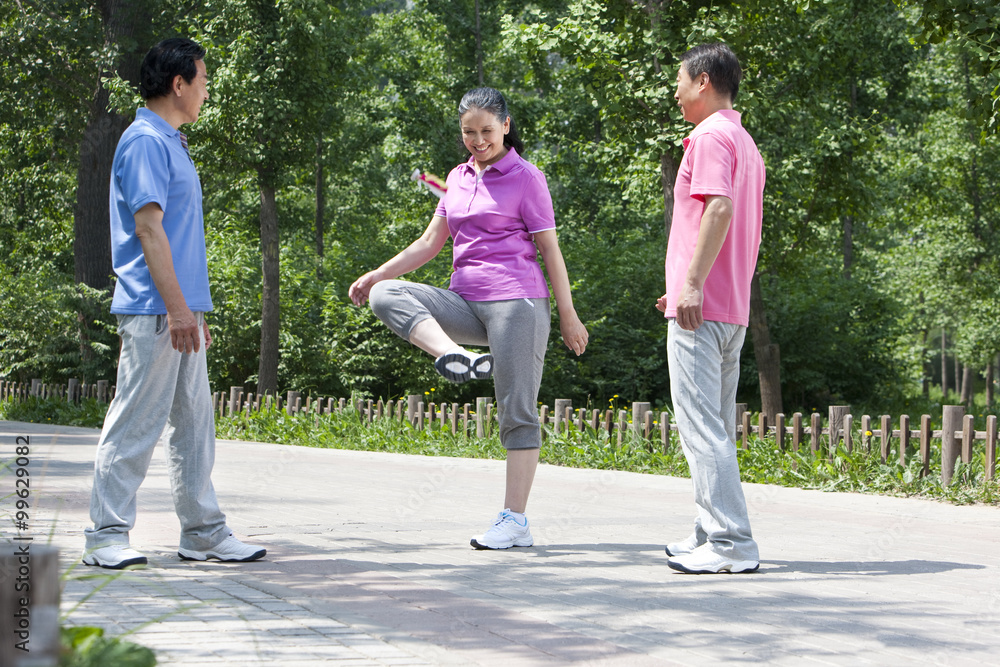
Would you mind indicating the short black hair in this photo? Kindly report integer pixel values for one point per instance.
(719, 62)
(171, 57)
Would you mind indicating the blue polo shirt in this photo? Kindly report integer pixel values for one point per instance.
(152, 165)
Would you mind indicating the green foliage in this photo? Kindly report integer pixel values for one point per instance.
(866, 139)
(89, 412)
(972, 25)
(944, 215)
(837, 338)
(39, 338)
(860, 470)
(762, 462)
(88, 647)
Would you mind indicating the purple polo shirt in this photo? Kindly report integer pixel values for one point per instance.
(492, 217)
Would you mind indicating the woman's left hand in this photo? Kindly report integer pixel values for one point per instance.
(574, 333)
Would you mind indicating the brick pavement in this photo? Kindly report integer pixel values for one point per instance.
(368, 564)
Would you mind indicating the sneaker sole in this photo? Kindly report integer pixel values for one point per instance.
(441, 366)
(739, 567)
(675, 552)
(202, 557)
(470, 372)
(486, 547)
(134, 563)
(483, 375)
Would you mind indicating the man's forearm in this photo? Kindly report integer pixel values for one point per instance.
(715, 222)
(159, 259)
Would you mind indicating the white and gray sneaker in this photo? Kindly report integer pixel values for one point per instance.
(506, 532)
(705, 561)
(685, 546)
(115, 557)
(229, 550)
(460, 365)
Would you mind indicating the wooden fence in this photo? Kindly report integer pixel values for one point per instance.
(898, 439)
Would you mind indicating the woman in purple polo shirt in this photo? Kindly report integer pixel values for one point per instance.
(498, 211)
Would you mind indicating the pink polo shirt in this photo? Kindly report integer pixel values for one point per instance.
(720, 158)
(492, 217)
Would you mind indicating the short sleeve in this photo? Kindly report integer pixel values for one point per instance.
(144, 173)
(536, 205)
(713, 159)
(451, 187)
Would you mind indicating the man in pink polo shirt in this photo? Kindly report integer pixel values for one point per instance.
(711, 256)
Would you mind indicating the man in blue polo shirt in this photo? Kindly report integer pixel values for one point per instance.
(161, 296)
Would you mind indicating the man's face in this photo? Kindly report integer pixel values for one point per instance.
(688, 95)
(194, 94)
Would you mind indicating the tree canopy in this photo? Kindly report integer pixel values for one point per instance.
(876, 120)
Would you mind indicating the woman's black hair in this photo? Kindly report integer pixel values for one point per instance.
(491, 100)
(168, 59)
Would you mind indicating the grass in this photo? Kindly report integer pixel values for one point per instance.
(859, 470)
(89, 412)
(762, 462)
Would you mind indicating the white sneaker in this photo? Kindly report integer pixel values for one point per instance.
(460, 365)
(684, 546)
(115, 557)
(230, 550)
(505, 533)
(705, 561)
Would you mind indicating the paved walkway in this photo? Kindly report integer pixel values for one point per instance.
(368, 564)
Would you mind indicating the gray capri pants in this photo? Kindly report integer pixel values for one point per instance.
(516, 331)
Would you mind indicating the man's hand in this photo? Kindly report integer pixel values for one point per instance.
(689, 305)
(715, 221)
(184, 331)
(183, 324)
(208, 336)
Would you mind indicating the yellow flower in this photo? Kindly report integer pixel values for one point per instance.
(868, 433)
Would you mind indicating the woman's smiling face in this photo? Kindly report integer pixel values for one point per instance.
(482, 134)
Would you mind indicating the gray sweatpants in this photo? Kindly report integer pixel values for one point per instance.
(704, 371)
(516, 331)
(160, 392)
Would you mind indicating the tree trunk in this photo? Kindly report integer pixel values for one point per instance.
(944, 366)
(479, 46)
(668, 173)
(989, 384)
(320, 208)
(270, 316)
(767, 354)
(928, 370)
(958, 376)
(848, 245)
(92, 233)
(968, 383)
(124, 22)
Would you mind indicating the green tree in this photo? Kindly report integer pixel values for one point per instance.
(945, 217)
(276, 68)
(972, 25)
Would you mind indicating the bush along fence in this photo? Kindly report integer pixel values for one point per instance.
(897, 439)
